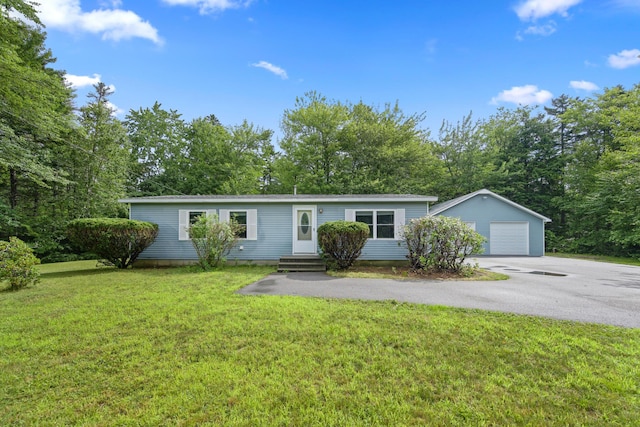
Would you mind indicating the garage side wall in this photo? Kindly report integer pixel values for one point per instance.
(485, 209)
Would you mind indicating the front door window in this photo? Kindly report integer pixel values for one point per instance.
(304, 225)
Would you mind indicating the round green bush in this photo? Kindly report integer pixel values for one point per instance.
(17, 263)
(119, 241)
(342, 241)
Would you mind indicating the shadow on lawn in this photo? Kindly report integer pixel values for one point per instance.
(75, 273)
(103, 269)
(99, 269)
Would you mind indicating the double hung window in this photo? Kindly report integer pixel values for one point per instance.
(240, 218)
(194, 215)
(247, 218)
(383, 223)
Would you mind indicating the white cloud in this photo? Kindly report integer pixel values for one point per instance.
(530, 10)
(115, 110)
(210, 6)
(114, 24)
(110, 3)
(583, 85)
(272, 68)
(542, 30)
(525, 95)
(633, 5)
(77, 82)
(82, 81)
(625, 59)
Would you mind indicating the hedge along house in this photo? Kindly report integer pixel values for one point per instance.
(277, 226)
(510, 229)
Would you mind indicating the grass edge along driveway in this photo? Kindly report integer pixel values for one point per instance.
(178, 347)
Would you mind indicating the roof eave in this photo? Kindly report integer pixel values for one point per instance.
(421, 199)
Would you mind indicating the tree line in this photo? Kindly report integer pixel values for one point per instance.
(576, 161)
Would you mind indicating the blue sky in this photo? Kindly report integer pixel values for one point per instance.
(250, 59)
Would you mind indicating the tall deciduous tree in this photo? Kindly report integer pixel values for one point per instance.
(386, 151)
(602, 181)
(527, 157)
(158, 140)
(219, 160)
(333, 147)
(466, 158)
(35, 113)
(252, 154)
(311, 143)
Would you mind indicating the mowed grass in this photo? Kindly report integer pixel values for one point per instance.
(100, 347)
(599, 258)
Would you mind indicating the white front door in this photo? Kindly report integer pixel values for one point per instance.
(304, 230)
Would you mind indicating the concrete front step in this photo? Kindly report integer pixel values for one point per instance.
(293, 263)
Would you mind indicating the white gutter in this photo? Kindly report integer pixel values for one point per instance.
(141, 200)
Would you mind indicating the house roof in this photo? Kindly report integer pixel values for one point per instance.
(282, 198)
(441, 207)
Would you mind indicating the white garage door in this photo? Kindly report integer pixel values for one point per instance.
(509, 238)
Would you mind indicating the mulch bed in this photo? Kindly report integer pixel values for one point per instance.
(404, 272)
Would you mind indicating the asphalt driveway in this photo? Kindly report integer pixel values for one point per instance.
(559, 288)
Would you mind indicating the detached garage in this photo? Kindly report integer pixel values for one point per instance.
(510, 229)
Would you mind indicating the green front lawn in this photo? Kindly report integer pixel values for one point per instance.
(97, 347)
(599, 258)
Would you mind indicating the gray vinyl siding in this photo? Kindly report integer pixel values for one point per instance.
(166, 245)
(274, 229)
(483, 210)
(274, 233)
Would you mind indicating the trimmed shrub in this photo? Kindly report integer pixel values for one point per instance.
(342, 241)
(440, 243)
(119, 241)
(213, 239)
(18, 264)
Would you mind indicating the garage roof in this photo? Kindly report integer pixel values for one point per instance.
(441, 207)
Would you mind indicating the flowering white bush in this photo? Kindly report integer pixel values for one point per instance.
(440, 243)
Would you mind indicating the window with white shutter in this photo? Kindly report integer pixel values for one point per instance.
(186, 217)
(246, 217)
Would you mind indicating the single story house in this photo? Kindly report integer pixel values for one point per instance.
(278, 226)
(510, 229)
